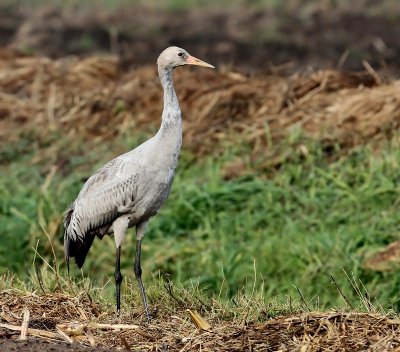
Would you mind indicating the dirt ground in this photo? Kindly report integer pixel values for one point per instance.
(37, 345)
(58, 317)
(309, 34)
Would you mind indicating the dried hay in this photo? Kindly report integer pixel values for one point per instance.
(385, 259)
(94, 99)
(79, 320)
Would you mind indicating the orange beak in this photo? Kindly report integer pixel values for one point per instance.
(191, 60)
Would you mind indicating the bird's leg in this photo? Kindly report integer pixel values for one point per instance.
(140, 229)
(118, 278)
(120, 226)
(138, 274)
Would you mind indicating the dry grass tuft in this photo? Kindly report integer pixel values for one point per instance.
(333, 331)
(385, 259)
(92, 98)
(92, 324)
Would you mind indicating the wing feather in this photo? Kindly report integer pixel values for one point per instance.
(101, 200)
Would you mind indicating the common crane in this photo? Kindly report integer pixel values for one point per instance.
(128, 190)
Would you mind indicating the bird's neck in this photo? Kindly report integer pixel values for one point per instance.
(171, 122)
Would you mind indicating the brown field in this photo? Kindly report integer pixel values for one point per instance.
(301, 35)
(332, 107)
(57, 320)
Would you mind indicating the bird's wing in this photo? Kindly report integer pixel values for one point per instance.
(113, 174)
(105, 195)
(106, 174)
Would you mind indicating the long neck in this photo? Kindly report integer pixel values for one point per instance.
(169, 136)
(171, 116)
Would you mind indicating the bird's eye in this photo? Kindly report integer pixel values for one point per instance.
(180, 54)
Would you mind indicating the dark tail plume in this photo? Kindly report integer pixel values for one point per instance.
(67, 239)
(75, 248)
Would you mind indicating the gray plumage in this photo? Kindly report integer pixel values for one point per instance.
(128, 190)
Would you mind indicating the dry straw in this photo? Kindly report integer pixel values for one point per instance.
(59, 317)
(94, 99)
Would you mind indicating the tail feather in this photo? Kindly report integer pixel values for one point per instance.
(75, 248)
(67, 239)
(82, 250)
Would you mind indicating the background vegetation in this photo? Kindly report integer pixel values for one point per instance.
(305, 222)
(282, 228)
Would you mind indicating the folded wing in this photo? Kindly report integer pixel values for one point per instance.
(106, 195)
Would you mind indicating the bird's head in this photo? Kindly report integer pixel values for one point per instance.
(173, 57)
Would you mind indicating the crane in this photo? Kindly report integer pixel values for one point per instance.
(130, 189)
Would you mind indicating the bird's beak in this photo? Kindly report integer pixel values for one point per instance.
(191, 60)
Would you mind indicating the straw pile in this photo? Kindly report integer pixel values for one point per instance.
(59, 317)
(92, 98)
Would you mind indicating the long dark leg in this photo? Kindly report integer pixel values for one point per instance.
(118, 278)
(138, 274)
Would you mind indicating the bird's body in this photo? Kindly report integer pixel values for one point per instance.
(128, 190)
(133, 186)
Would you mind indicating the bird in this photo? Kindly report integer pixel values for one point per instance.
(131, 188)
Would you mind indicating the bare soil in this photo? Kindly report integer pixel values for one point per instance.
(37, 345)
(253, 39)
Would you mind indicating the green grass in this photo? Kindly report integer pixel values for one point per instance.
(306, 221)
